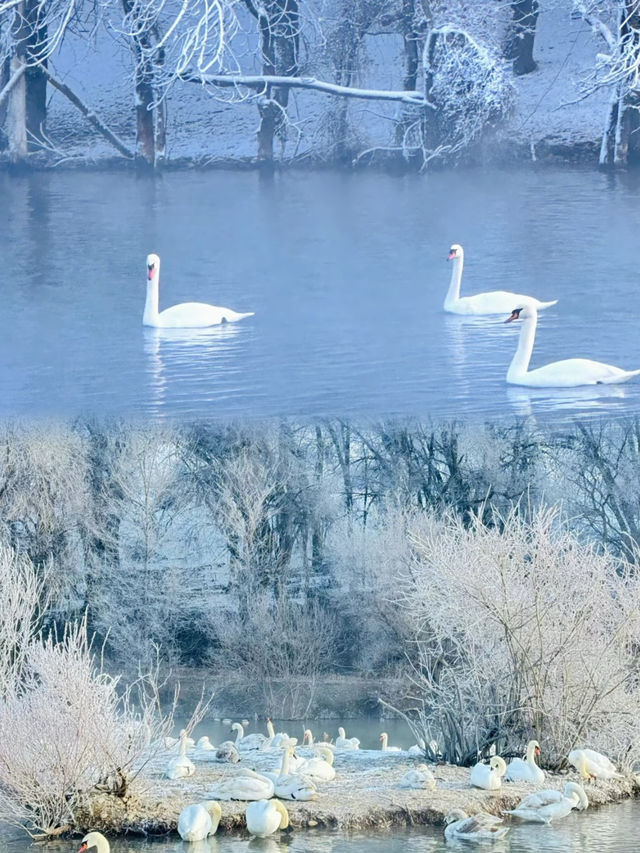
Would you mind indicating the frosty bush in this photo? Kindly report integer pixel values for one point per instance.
(517, 630)
(67, 730)
(466, 84)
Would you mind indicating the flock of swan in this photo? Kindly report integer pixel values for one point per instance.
(568, 373)
(541, 806)
(297, 778)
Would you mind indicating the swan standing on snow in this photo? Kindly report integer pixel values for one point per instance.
(95, 841)
(420, 777)
(180, 767)
(568, 373)
(481, 827)
(525, 771)
(591, 764)
(265, 817)
(488, 776)
(199, 821)
(344, 742)
(545, 806)
(187, 315)
(384, 744)
(492, 302)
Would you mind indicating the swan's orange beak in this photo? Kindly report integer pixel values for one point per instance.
(84, 847)
(451, 255)
(514, 316)
(150, 272)
(537, 750)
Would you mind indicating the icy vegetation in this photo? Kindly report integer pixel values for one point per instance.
(343, 81)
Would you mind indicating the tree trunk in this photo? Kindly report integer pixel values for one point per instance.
(620, 138)
(17, 115)
(144, 94)
(411, 38)
(35, 78)
(522, 36)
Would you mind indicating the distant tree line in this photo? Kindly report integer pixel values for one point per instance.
(454, 62)
(265, 552)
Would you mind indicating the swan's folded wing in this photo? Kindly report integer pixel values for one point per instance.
(540, 799)
(481, 822)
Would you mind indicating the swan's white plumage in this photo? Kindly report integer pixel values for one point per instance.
(525, 771)
(95, 841)
(590, 763)
(384, 744)
(246, 785)
(198, 821)
(491, 302)
(180, 767)
(186, 315)
(545, 806)
(568, 373)
(321, 767)
(488, 776)
(344, 742)
(480, 827)
(419, 777)
(265, 817)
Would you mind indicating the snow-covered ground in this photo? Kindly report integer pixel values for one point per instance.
(202, 127)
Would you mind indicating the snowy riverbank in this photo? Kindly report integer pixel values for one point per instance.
(364, 795)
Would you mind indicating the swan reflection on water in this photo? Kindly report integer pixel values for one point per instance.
(203, 361)
(582, 400)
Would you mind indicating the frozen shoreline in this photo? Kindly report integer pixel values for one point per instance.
(364, 796)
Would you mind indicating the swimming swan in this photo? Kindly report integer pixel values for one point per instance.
(479, 827)
(199, 821)
(488, 776)
(95, 841)
(187, 315)
(419, 777)
(492, 302)
(568, 373)
(545, 806)
(264, 817)
(591, 764)
(384, 744)
(525, 771)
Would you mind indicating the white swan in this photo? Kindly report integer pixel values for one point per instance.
(592, 764)
(276, 740)
(384, 744)
(253, 741)
(548, 805)
(187, 315)
(418, 748)
(321, 767)
(481, 827)
(246, 785)
(205, 743)
(265, 817)
(292, 786)
(568, 373)
(344, 742)
(492, 302)
(307, 740)
(525, 771)
(199, 821)
(419, 777)
(181, 766)
(488, 776)
(95, 841)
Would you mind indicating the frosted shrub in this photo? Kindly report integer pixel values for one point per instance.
(65, 733)
(518, 630)
(467, 86)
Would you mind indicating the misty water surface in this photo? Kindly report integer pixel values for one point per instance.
(346, 274)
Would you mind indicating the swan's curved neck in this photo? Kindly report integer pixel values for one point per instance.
(151, 304)
(183, 745)
(385, 741)
(520, 361)
(239, 732)
(284, 767)
(453, 294)
(531, 754)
